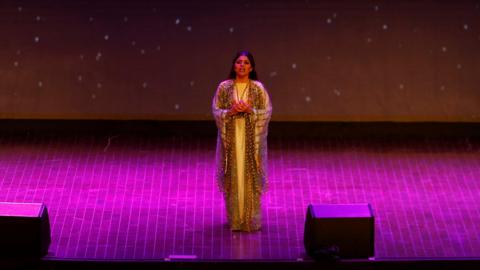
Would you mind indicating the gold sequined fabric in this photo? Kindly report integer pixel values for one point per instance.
(255, 175)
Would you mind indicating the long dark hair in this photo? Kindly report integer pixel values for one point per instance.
(252, 75)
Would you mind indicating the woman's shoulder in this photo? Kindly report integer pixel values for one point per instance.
(258, 84)
(225, 83)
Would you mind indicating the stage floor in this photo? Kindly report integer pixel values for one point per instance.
(146, 197)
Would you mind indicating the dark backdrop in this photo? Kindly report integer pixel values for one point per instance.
(321, 60)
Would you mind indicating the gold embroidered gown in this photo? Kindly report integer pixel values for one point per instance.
(242, 152)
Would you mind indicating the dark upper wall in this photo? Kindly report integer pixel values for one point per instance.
(320, 60)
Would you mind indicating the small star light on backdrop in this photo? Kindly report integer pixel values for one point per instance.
(330, 19)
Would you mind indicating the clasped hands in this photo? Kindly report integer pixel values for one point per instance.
(240, 107)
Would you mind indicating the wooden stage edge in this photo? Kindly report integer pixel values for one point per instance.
(378, 264)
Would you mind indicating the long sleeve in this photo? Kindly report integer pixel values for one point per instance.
(220, 110)
(262, 115)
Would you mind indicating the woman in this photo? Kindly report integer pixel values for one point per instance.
(242, 110)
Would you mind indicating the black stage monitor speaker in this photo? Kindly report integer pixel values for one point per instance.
(339, 231)
(24, 229)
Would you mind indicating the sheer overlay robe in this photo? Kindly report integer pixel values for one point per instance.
(242, 153)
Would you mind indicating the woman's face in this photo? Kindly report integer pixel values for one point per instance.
(243, 67)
